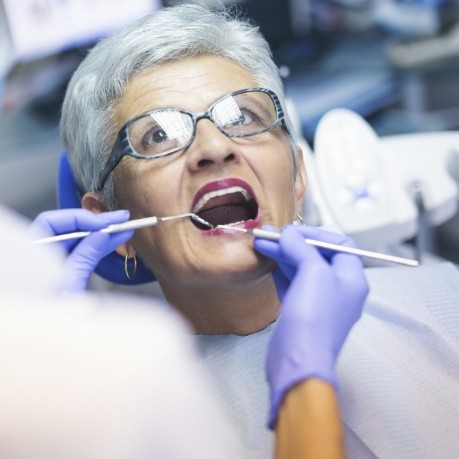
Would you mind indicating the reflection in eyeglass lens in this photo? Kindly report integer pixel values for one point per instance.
(160, 131)
(245, 113)
(227, 112)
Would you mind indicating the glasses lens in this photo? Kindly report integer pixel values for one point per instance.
(245, 114)
(160, 131)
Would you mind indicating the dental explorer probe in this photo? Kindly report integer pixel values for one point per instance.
(117, 227)
(274, 236)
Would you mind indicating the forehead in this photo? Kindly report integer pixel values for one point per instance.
(192, 84)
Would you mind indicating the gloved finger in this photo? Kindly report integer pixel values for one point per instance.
(348, 268)
(288, 270)
(273, 249)
(340, 260)
(68, 220)
(88, 221)
(266, 247)
(115, 240)
(294, 249)
(281, 282)
(96, 246)
(84, 258)
(321, 235)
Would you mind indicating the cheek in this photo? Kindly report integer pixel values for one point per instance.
(144, 190)
(279, 183)
(280, 174)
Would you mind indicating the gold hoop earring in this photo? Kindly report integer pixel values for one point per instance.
(300, 219)
(131, 277)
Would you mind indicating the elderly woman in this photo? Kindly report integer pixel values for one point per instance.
(183, 112)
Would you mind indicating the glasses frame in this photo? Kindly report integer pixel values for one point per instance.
(123, 147)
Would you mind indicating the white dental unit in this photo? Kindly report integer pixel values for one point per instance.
(377, 189)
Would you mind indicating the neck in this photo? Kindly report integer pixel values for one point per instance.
(238, 308)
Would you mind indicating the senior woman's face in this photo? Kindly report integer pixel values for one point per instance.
(221, 178)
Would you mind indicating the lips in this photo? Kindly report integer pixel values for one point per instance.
(224, 202)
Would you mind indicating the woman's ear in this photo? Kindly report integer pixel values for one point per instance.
(92, 201)
(301, 181)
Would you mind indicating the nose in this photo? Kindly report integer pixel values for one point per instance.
(210, 147)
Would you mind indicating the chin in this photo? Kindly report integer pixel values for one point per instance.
(251, 269)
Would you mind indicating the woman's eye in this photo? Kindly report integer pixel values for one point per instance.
(244, 119)
(154, 137)
(247, 118)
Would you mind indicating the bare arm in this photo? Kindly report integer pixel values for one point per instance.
(308, 425)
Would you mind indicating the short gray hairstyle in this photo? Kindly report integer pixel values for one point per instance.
(170, 34)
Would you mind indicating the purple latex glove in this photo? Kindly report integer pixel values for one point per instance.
(322, 295)
(85, 253)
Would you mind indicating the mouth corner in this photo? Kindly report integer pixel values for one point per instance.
(201, 223)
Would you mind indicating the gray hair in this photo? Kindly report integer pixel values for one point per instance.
(169, 34)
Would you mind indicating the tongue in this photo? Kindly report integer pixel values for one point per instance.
(223, 215)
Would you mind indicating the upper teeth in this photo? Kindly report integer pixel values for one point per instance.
(213, 194)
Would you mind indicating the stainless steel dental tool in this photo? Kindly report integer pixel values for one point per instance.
(274, 236)
(117, 227)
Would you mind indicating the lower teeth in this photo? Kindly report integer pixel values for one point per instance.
(235, 223)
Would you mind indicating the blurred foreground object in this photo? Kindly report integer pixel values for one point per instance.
(95, 376)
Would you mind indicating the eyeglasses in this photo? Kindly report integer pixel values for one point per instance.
(163, 132)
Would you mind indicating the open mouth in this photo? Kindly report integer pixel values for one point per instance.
(226, 206)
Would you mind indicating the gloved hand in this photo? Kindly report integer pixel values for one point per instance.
(85, 253)
(322, 295)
